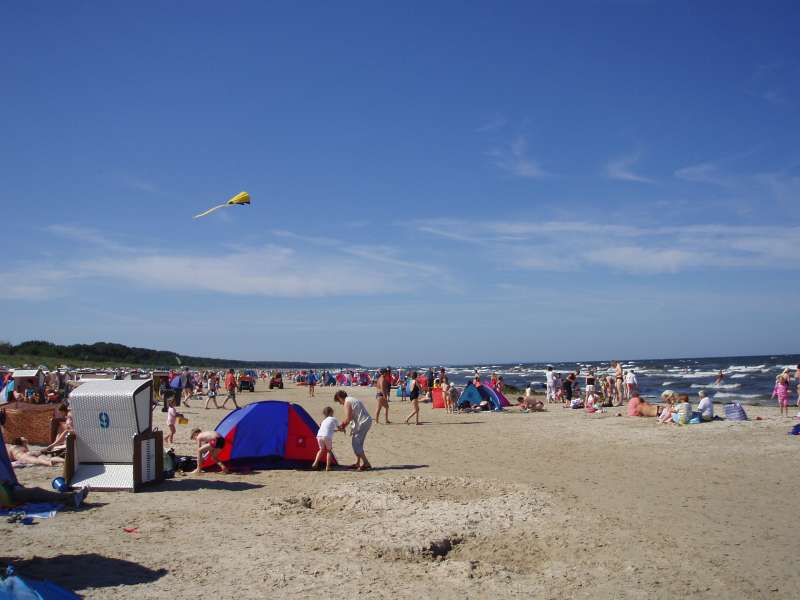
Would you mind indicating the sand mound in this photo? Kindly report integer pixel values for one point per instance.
(429, 518)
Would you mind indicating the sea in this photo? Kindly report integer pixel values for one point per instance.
(748, 379)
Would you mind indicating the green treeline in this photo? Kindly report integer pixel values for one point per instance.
(106, 352)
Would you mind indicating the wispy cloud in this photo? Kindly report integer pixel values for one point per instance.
(34, 281)
(513, 158)
(319, 268)
(265, 271)
(784, 185)
(496, 123)
(140, 185)
(377, 254)
(571, 246)
(707, 172)
(773, 82)
(621, 169)
(87, 236)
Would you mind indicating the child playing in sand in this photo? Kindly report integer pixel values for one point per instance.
(210, 443)
(781, 391)
(667, 409)
(591, 401)
(453, 394)
(325, 438)
(172, 418)
(213, 385)
(684, 410)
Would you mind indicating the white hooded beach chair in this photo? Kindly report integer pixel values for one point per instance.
(113, 447)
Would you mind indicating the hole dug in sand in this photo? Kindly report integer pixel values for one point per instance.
(441, 548)
(436, 519)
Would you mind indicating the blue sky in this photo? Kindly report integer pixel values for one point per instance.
(432, 182)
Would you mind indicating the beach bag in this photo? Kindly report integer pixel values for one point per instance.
(185, 464)
(735, 412)
(170, 462)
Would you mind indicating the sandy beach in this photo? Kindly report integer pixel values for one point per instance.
(490, 505)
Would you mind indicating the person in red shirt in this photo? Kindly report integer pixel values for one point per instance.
(230, 385)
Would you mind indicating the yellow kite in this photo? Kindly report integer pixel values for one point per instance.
(240, 198)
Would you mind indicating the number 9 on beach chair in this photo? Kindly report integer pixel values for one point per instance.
(113, 447)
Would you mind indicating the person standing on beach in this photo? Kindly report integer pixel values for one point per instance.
(781, 391)
(558, 387)
(618, 381)
(384, 385)
(591, 382)
(797, 380)
(549, 376)
(213, 384)
(230, 386)
(311, 380)
(567, 385)
(631, 383)
(360, 421)
(186, 383)
(413, 394)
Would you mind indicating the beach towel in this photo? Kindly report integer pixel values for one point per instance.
(735, 412)
(795, 430)
(39, 510)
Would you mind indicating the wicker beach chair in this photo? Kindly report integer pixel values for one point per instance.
(31, 421)
(114, 446)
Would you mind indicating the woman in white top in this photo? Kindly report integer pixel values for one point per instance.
(360, 421)
(706, 407)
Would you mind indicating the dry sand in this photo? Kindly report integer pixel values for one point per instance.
(493, 505)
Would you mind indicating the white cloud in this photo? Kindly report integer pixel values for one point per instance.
(621, 169)
(707, 172)
(496, 123)
(266, 271)
(88, 236)
(513, 158)
(783, 185)
(141, 185)
(322, 267)
(576, 245)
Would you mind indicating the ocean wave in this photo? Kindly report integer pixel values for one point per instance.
(666, 383)
(746, 368)
(743, 396)
(715, 386)
(694, 375)
(739, 376)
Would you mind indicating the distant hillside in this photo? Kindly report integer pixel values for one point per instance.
(108, 354)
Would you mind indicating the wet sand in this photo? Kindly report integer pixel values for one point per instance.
(558, 504)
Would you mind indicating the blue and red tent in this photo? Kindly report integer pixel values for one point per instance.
(474, 395)
(269, 433)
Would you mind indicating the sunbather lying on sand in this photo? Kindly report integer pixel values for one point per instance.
(527, 403)
(639, 408)
(18, 451)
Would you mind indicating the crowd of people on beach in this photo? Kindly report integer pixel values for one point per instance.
(591, 390)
